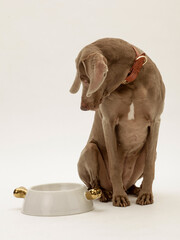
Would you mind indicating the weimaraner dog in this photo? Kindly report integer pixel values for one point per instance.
(125, 89)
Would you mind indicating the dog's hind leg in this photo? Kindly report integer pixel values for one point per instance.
(88, 166)
(93, 172)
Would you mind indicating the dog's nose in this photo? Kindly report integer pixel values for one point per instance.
(84, 107)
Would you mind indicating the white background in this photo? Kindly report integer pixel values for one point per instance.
(42, 130)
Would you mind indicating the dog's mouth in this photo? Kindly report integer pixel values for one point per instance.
(90, 107)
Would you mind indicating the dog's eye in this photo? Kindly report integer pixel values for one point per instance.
(84, 79)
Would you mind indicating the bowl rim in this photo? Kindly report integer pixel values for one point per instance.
(36, 187)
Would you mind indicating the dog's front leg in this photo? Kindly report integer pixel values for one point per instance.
(145, 195)
(116, 162)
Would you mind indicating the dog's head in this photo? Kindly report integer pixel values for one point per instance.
(91, 72)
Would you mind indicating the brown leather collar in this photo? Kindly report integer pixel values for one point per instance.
(140, 60)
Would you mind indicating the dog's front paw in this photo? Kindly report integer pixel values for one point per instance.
(121, 201)
(144, 198)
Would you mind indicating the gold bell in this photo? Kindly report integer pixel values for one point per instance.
(20, 192)
(93, 194)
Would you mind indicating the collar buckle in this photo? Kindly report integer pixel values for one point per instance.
(142, 56)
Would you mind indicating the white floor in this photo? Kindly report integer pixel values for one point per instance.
(158, 221)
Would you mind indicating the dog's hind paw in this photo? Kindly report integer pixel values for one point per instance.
(106, 196)
(145, 198)
(120, 201)
(133, 190)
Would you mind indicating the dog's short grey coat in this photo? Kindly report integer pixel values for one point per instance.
(123, 140)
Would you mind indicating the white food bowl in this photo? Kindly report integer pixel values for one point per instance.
(57, 199)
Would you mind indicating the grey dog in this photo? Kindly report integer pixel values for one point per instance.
(128, 100)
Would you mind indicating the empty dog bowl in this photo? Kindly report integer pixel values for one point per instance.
(57, 199)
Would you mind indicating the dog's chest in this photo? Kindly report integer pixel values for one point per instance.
(131, 132)
(130, 118)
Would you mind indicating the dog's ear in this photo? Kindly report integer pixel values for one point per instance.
(76, 84)
(81, 68)
(96, 69)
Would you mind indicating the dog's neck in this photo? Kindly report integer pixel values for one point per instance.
(138, 61)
